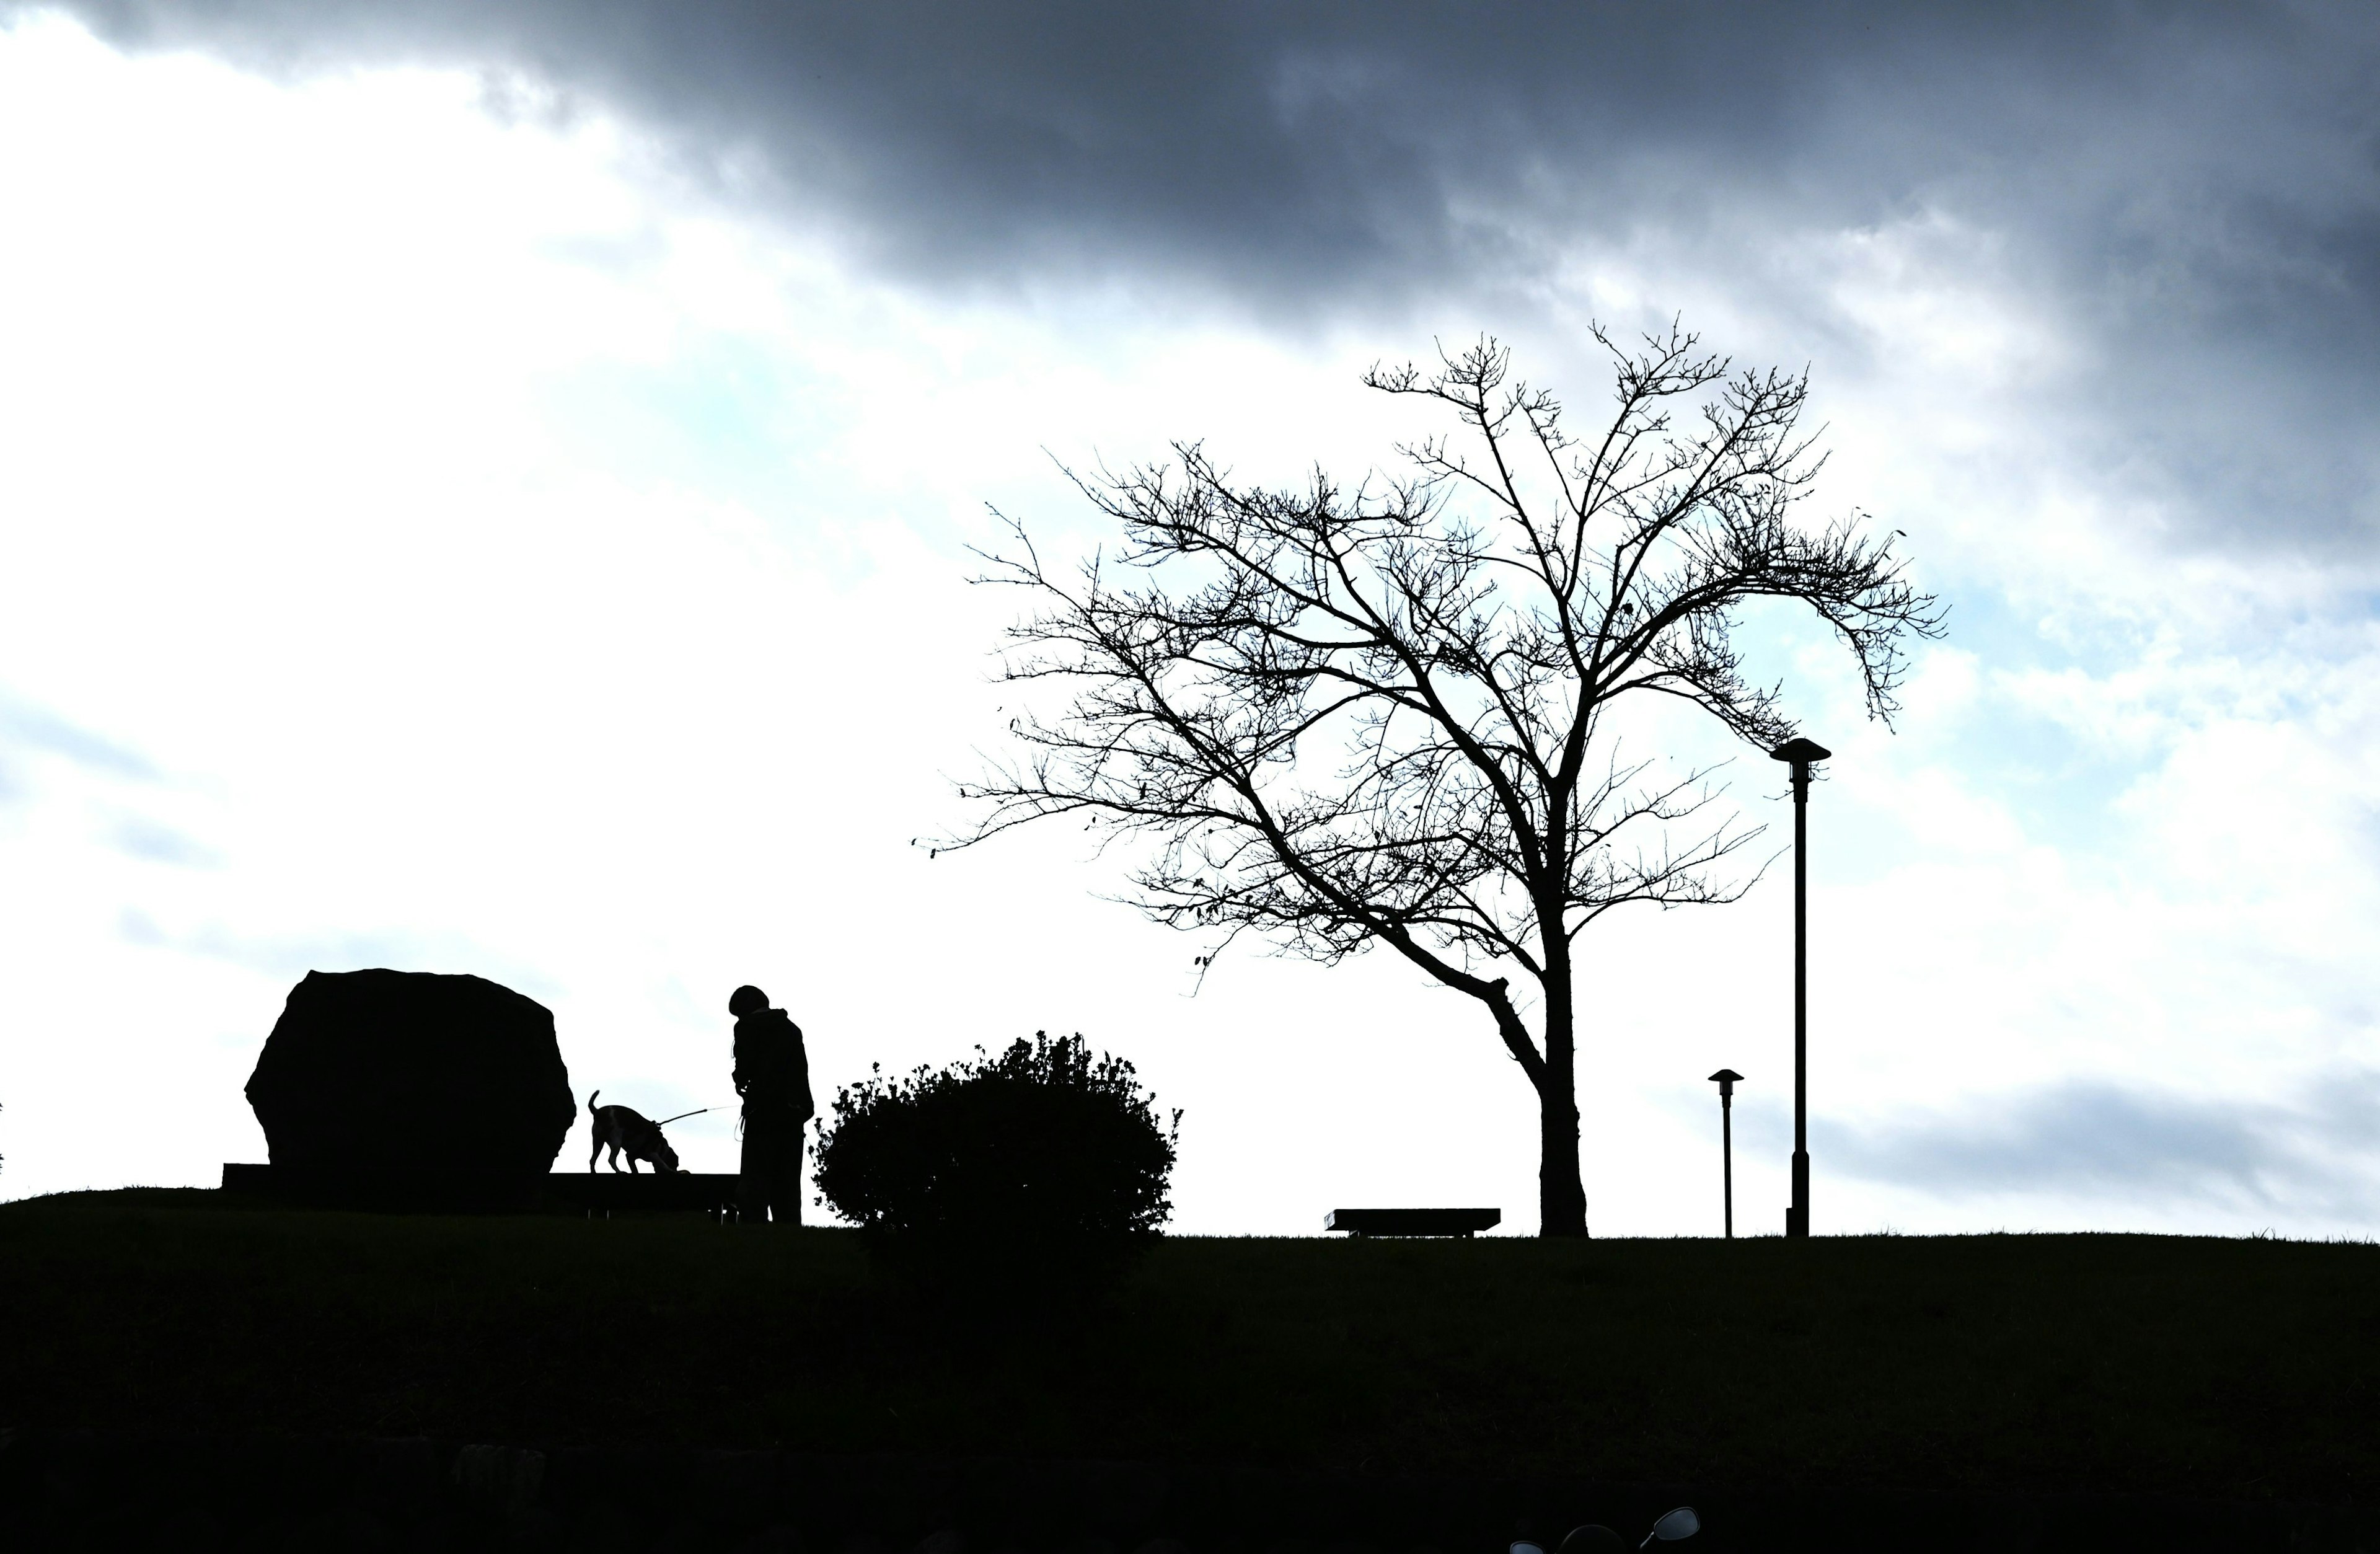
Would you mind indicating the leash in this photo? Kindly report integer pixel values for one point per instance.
(696, 1113)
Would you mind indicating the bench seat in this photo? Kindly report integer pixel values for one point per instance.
(1413, 1221)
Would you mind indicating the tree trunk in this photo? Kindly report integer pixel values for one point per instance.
(1561, 1197)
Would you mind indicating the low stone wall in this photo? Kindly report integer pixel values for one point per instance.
(76, 1490)
(429, 1190)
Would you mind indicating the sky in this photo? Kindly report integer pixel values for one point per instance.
(490, 487)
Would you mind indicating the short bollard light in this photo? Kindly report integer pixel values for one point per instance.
(1727, 1079)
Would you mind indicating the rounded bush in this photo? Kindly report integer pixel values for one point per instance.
(1043, 1153)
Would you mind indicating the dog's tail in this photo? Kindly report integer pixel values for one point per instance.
(591, 1103)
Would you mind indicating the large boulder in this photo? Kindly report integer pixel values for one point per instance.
(377, 1073)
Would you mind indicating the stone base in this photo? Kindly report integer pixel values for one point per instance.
(455, 1192)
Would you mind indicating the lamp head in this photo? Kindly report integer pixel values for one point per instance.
(1727, 1078)
(1800, 751)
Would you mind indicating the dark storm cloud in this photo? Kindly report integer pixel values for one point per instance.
(2191, 190)
(2096, 1139)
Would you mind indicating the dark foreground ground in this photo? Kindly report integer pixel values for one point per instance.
(2019, 1364)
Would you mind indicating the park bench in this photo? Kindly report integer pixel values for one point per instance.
(1413, 1221)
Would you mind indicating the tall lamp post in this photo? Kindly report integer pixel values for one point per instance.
(1799, 754)
(1727, 1078)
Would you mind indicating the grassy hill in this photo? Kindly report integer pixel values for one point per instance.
(2214, 1368)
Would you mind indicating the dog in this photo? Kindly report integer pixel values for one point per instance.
(631, 1133)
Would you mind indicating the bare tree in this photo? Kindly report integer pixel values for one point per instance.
(1383, 716)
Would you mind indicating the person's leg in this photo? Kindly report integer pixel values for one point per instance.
(791, 1183)
(752, 1176)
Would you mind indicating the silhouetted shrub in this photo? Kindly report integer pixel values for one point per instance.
(1044, 1158)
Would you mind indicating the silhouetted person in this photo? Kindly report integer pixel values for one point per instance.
(773, 1075)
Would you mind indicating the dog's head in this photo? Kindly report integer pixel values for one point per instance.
(665, 1157)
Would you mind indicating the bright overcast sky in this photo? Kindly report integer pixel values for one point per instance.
(487, 487)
